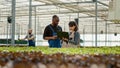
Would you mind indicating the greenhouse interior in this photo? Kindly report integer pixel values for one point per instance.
(59, 34)
(98, 23)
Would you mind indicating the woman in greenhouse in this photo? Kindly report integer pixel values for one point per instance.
(74, 36)
(50, 33)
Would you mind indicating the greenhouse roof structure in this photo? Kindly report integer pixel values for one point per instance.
(67, 10)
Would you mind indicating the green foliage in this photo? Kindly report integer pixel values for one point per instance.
(47, 50)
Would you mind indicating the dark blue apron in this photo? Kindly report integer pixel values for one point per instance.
(56, 43)
(31, 43)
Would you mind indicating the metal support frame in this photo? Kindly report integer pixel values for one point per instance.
(7, 32)
(90, 16)
(107, 24)
(81, 11)
(84, 36)
(0, 16)
(92, 28)
(96, 13)
(106, 33)
(30, 14)
(35, 22)
(64, 3)
(78, 19)
(13, 22)
(103, 4)
(38, 24)
(18, 30)
(92, 33)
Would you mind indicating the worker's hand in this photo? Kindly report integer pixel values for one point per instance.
(21, 39)
(29, 39)
(64, 39)
(54, 37)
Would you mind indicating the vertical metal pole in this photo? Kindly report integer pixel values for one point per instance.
(84, 36)
(108, 34)
(4, 31)
(78, 21)
(13, 22)
(38, 30)
(18, 31)
(7, 33)
(92, 34)
(105, 33)
(21, 30)
(38, 25)
(96, 13)
(0, 15)
(30, 14)
(35, 22)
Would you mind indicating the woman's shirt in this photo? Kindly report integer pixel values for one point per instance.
(75, 39)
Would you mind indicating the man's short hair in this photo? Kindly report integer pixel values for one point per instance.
(54, 16)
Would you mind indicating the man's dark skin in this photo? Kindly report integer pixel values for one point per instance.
(55, 22)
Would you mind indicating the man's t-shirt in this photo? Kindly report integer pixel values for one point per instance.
(48, 31)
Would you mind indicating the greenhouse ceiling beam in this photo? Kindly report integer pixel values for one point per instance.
(24, 11)
(16, 7)
(46, 13)
(51, 4)
(91, 16)
(103, 3)
(63, 3)
(60, 4)
(62, 17)
(72, 7)
(65, 18)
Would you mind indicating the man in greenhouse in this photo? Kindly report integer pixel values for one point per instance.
(50, 33)
(31, 38)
